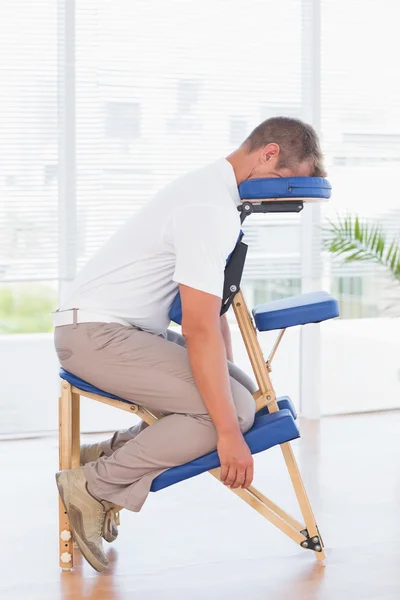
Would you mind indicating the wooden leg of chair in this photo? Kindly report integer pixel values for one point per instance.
(261, 507)
(76, 432)
(302, 497)
(269, 514)
(279, 511)
(65, 455)
(76, 436)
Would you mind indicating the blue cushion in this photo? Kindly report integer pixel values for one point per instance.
(175, 311)
(283, 402)
(268, 430)
(297, 310)
(285, 187)
(87, 387)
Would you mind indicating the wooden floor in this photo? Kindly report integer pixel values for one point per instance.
(197, 541)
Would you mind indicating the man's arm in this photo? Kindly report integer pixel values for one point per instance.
(226, 334)
(201, 327)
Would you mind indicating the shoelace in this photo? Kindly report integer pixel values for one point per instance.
(100, 515)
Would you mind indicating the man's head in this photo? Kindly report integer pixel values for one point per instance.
(279, 147)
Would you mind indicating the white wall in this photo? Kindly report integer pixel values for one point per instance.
(28, 383)
(360, 365)
(360, 371)
(30, 386)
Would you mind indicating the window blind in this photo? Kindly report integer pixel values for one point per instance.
(28, 134)
(360, 108)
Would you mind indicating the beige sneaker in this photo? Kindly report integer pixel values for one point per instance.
(86, 516)
(90, 453)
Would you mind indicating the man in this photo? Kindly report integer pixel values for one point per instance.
(112, 332)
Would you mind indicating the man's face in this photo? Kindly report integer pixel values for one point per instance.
(267, 165)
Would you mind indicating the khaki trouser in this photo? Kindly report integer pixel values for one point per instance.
(155, 373)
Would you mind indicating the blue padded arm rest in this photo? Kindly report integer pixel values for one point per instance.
(297, 310)
(285, 187)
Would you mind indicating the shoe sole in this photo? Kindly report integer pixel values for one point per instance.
(91, 559)
(108, 528)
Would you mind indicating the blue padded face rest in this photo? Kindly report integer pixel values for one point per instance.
(285, 187)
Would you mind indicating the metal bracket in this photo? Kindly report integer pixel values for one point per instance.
(270, 206)
(315, 543)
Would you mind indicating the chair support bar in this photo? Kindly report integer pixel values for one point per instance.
(294, 205)
(274, 349)
(282, 520)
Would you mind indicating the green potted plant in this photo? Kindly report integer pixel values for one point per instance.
(355, 239)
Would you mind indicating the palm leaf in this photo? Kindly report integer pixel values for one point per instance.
(356, 240)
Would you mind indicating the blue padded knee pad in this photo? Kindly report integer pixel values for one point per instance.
(285, 187)
(283, 402)
(268, 430)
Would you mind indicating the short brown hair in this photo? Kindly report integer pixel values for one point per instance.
(298, 142)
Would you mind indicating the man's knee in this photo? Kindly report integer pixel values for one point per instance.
(241, 377)
(246, 418)
(245, 406)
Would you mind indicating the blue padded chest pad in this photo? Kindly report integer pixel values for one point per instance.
(175, 311)
(285, 187)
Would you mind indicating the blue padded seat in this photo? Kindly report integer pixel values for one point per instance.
(268, 430)
(283, 402)
(297, 310)
(285, 187)
(87, 387)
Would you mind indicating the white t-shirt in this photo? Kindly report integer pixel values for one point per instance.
(183, 235)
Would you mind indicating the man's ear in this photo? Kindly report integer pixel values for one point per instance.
(271, 151)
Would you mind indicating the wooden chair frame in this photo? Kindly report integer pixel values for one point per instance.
(306, 533)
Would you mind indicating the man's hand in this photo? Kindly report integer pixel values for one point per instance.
(237, 465)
